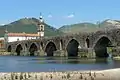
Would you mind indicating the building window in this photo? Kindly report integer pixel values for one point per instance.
(42, 28)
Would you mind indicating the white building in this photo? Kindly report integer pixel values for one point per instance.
(11, 37)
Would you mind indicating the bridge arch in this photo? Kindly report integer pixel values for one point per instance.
(50, 48)
(101, 45)
(19, 48)
(96, 40)
(33, 47)
(72, 47)
(9, 49)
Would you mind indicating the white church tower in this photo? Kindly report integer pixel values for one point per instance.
(40, 29)
(6, 37)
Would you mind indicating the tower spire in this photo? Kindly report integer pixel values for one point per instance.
(40, 15)
(41, 18)
(40, 29)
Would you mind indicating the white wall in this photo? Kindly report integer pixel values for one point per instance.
(42, 34)
(2, 38)
(12, 39)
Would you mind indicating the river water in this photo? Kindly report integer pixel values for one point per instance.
(35, 64)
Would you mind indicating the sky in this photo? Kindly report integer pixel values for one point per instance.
(60, 12)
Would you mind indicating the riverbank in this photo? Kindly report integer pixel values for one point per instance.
(111, 74)
(5, 53)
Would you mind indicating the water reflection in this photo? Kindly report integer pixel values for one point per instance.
(73, 60)
(101, 60)
(21, 63)
(62, 60)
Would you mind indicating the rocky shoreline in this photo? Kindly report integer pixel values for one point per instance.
(111, 74)
(5, 53)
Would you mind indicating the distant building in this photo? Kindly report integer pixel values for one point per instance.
(20, 36)
(12, 37)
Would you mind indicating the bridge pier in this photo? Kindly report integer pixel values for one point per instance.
(60, 53)
(86, 53)
(24, 52)
(42, 53)
(115, 51)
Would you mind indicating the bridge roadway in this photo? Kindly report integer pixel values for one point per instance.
(94, 44)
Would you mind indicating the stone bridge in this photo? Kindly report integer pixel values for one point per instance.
(68, 45)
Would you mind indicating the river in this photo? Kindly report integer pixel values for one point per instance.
(40, 64)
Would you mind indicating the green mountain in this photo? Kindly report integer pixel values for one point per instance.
(28, 25)
(90, 27)
(2, 30)
(110, 23)
(80, 27)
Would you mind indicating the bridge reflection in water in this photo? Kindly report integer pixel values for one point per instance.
(77, 60)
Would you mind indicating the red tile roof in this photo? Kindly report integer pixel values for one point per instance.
(23, 34)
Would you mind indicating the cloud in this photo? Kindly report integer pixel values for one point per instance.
(2, 24)
(50, 16)
(71, 16)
